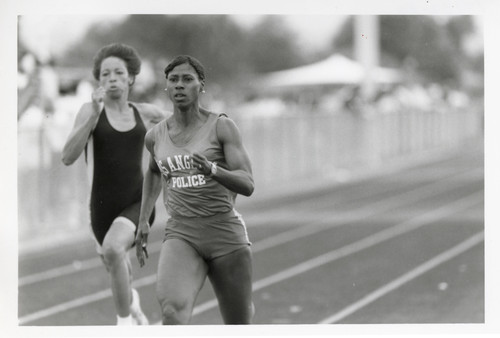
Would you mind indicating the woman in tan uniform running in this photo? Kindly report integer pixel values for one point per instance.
(197, 156)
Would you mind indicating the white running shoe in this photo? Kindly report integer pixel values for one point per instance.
(125, 321)
(135, 310)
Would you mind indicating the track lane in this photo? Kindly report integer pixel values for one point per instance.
(321, 278)
(323, 223)
(281, 223)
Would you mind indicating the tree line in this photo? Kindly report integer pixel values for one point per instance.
(231, 52)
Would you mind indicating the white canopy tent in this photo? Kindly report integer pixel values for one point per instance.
(337, 69)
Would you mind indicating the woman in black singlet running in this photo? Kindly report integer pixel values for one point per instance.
(111, 130)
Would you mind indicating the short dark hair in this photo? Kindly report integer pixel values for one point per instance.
(182, 59)
(127, 53)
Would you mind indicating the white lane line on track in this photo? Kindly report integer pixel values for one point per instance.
(95, 297)
(77, 266)
(65, 306)
(60, 271)
(445, 184)
(377, 207)
(362, 244)
(407, 277)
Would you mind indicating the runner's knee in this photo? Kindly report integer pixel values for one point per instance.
(113, 254)
(173, 312)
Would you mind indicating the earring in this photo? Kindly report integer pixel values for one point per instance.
(165, 89)
(203, 90)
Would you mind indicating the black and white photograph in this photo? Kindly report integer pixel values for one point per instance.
(321, 169)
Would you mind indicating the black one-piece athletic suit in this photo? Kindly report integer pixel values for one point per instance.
(116, 171)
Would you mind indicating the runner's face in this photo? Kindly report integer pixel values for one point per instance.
(183, 85)
(114, 77)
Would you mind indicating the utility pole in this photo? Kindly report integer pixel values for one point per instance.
(367, 50)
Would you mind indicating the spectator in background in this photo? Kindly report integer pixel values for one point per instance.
(111, 130)
(198, 157)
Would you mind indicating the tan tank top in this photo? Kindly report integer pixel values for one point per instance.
(188, 193)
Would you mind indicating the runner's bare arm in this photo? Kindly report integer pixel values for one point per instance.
(85, 122)
(237, 176)
(151, 189)
(152, 114)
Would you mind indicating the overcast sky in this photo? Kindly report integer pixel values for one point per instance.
(53, 33)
